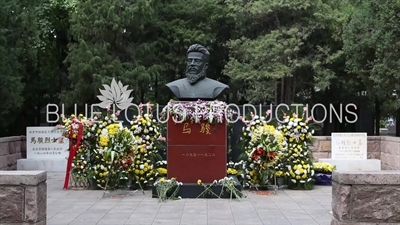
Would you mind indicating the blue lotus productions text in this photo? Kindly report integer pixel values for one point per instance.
(318, 113)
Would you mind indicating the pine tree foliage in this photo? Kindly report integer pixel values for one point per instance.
(275, 51)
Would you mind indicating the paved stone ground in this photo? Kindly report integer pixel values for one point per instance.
(85, 207)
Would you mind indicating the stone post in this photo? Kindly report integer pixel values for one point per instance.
(366, 198)
(23, 197)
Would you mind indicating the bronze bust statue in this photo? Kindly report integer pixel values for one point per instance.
(196, 85)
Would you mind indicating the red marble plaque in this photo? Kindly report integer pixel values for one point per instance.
(190, 163)
(196, 151)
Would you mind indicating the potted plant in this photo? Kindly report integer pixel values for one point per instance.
(323, 173)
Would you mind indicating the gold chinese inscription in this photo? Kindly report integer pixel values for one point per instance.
(205, 128)
(186, 129)
(199, 154)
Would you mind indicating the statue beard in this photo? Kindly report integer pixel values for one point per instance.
(193, 78)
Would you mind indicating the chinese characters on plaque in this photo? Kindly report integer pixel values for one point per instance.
(349, 145)
(45, 142)
(199, 154)
(204, 128)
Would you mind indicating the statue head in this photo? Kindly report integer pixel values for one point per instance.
(197, 63)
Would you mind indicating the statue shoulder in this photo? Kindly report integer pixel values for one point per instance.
(216, 87)
(204, 89)
(217, 84)
(175, 86)
(176, 82)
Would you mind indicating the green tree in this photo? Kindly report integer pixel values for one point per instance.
(370, 43)
(17, 36)
(282, 48)
(142, 44)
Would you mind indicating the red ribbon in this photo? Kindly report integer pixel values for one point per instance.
(72, 151)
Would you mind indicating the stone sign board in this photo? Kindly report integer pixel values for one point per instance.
(349, 145)
(46, 143)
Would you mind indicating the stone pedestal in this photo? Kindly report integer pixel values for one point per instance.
(23, 197)
(50, 165)
(196, 151)
(354, 164)
(366, 198)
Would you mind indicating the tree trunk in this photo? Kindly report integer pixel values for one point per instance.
(288, 88)
(142, 95)
(398, 123)
(38, 109)
(377, 117)
(156, 89)
(234, 98)
(293, 90)
(276, 92)
(282, 90)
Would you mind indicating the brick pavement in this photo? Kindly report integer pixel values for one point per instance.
(85, 207)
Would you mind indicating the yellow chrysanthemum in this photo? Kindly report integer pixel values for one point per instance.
(103, 140)
(162, 171)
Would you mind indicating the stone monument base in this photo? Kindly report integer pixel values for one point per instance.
(23, 198)
(194, 190)
(354, 164)
(50, 165)
(366, 198)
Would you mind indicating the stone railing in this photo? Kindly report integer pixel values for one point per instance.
(11, 149)
(366, 198)
(23, 198)
(385, 148)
